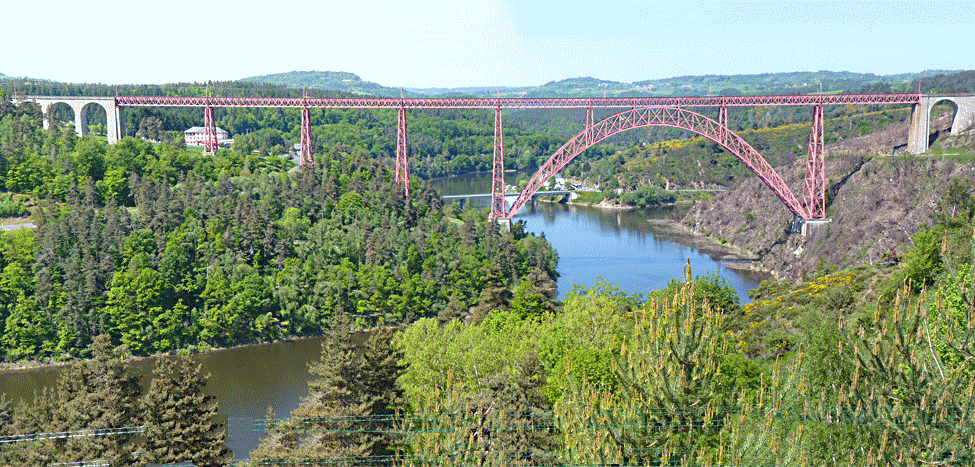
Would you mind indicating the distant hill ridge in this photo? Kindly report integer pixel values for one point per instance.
(331, 80)
(763, 83)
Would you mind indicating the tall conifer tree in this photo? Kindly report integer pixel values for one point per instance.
(98, 395)
(180, 417)
(494, 296)
(348, 413)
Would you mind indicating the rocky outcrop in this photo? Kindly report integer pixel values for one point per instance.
(875, 205)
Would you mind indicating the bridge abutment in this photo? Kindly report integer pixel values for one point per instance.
(919, 135)
(807, 227)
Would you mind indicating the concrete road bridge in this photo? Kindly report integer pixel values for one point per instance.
(635, 112)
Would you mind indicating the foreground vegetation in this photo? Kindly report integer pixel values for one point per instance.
(99, 413)
(870, 366)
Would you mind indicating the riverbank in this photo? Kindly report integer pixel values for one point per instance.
(725, 253)
(609, 205)
(33, 364)
(36, 364)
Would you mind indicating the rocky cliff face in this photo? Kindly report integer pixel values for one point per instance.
(875, 204)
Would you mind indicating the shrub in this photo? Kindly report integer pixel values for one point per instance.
(10, 207)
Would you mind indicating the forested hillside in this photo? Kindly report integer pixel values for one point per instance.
(948, 83)
(165, 249)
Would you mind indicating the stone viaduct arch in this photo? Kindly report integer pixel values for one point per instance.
(919, 137)
(114, 115)
(661, 116)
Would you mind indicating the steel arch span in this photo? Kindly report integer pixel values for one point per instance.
(661, 116)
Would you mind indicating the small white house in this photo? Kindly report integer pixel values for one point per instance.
(194, 136)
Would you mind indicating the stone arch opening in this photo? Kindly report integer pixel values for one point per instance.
(935, 107)
(59, 114)
(94, 119)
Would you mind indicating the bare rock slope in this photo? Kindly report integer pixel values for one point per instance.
(875, 205)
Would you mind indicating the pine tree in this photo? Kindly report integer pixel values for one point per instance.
(456, 309)
(180, 417)
(27, 420)
(494, 296)
(536, 294)
(6, 429)
(913, 366)
(350, 407)
(667, 397)
(97, 395)
(6, 415)
(380, 390)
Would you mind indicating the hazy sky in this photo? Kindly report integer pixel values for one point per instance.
(475, 43)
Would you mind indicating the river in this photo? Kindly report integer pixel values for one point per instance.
(621, 247)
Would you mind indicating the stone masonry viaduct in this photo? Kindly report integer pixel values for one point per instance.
(920, 132)
(114, 114)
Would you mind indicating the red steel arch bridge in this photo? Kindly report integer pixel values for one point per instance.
(634, 112)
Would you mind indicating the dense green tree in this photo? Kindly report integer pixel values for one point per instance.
(494, 296)
(135, 301)
(455, 309)
(99, 395)
(348, 412)
(180, 417)
(535, 295)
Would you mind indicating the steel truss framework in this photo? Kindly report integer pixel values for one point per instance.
(209, 132)
(660, 110)
(814, 188)
(497, 169)
(661, 116)
(515, 102)
(402, 156)
(307, 148)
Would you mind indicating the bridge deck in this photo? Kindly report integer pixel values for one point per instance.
(516, 102)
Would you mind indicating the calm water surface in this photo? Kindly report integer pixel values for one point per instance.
(245, 380)
(620, 247)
